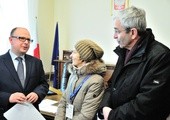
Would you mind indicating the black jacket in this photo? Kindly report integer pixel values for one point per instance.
(140, 89)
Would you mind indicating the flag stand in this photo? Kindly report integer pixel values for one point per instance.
(51, 88)
(49, 78)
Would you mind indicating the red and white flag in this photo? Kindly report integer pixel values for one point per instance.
(36, 51)
(34, 46)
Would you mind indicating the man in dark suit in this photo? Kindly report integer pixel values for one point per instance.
(34, 87)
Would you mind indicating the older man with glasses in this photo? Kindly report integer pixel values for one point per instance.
(140, 85)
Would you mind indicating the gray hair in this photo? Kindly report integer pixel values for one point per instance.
(132, 17)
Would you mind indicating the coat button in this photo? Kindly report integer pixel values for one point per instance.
(114, 89)
(94, 96)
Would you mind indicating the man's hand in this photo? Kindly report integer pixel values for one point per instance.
(32, 97)
(17, 98)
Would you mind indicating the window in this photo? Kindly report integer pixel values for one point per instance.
(15, 13)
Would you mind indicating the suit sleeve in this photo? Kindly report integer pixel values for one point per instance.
(43, 86)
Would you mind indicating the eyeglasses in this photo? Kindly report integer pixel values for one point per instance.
(22, 39)
(116, 31)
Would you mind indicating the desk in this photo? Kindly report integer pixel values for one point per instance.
(47, 114)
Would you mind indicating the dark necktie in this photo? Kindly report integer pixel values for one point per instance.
(20, 70)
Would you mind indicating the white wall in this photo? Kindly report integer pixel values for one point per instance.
(157, 16)
(87, 19)
(46, 29)
(92, 19)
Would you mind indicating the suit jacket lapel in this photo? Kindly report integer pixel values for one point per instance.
(10, 66)
(28, 69)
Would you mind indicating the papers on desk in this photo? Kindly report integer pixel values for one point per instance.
(49, 106)
(25, 111)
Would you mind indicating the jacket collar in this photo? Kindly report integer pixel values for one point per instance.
(146, 39)
(93, 67)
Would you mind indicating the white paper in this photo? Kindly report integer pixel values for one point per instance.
(48, 105)
(25, 111)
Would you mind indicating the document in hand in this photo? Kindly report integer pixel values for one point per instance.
(25, 111)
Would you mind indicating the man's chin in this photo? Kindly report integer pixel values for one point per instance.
(24, 52)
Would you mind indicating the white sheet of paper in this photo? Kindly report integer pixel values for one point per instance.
(47, 102)
(25, 111)
(47, 105)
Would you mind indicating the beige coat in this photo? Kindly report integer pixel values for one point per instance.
(88, 98)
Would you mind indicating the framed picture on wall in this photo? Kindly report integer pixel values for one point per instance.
(118, 5)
